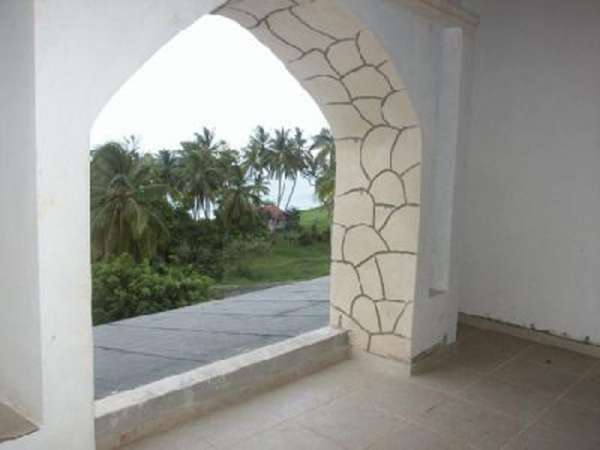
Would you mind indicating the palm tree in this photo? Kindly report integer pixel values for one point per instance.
(240, 200)
(208, 139)
(167, 167)
(324, 143)
(279, 146)
(126, 204)
(296, 161)
(199, 174)
(324, 167)
(256, 155)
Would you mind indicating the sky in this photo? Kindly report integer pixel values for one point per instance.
(214, 74)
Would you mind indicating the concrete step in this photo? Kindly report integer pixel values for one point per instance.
(129, 416)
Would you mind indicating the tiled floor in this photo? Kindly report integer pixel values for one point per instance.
(497, 392)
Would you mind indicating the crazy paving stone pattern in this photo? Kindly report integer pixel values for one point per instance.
(377, 212)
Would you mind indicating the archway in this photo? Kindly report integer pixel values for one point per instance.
(76, 65)
(377, 212)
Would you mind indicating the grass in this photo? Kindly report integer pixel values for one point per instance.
(285, 262)
(317, 216)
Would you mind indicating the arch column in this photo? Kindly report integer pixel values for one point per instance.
(378, 137)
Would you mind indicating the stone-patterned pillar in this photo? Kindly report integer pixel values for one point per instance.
(377, 211)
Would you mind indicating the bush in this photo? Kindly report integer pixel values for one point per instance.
(122, 289)
(309, 236)
(198, 244)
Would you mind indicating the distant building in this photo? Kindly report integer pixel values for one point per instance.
(276, 217)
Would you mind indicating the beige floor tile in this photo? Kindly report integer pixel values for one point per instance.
(575, 421)
(481, 399)
(410, 436)
(448, 377)
(187, 437)
(464, 332)
(349, 423)
(235, 424)
(505, 341)
(309, 393)
(559, 359)
(536, 376)
(542, 438)
(520, 402)
(13, 425)
(471, 424)
(288, 437)
(487, 350)
(404, 400)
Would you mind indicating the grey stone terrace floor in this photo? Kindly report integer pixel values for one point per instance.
(144, 349)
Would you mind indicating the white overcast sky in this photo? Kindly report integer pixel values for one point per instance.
(214, 74)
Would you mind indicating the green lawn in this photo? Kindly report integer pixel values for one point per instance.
(284, 262)
(317, 216)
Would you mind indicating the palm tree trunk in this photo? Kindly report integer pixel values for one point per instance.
(279, 189)
(283, 191)
(206, 209)
(287, 206)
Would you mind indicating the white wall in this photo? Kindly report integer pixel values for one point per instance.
(20, 373)
(530, 190)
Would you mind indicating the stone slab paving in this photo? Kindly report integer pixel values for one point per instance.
(137, 351)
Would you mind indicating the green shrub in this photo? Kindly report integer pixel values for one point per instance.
(196, 243)
(122, 289)
(308, 236)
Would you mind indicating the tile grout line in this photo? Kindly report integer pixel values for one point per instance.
(294, 417)
(539, 416)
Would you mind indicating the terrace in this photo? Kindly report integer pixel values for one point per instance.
(495, 391)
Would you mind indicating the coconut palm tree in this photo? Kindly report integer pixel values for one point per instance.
(199, 174)
(277, 160)
(126, 204)
(240, 200)
(296, 161)
(256, 154)
(167, 167)
(324, 167)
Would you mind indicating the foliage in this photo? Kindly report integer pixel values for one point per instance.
(200, 208)
(199, 173)
(324, 167)
(123, 288)
(126, 204)
(198, 244)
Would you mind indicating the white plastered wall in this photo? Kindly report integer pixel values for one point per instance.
(530, 247)
(20, 357)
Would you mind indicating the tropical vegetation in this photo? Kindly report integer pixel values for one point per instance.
(168, 225)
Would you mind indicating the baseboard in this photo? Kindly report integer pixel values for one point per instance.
(540, 337)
